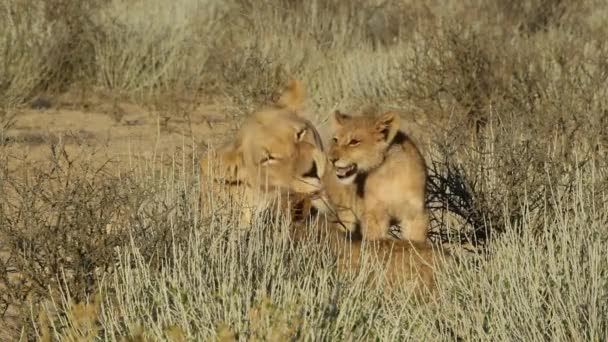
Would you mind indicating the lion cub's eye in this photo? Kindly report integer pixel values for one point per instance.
(300, 135)
(334, 140)
(354, 142)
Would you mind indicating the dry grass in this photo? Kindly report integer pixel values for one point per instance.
(509, 102)
(206, 279)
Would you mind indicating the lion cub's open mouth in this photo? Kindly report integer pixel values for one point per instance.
(346, 174)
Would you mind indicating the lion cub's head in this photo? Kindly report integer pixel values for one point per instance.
(276, 149)
(359, 143)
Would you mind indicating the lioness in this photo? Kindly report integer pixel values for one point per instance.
(384, 174)
(276, 153)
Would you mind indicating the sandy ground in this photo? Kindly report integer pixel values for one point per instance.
(119, 131)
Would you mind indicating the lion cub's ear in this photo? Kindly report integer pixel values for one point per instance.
(224, 165)
(340, 118)
(387, 124)
(293, 96)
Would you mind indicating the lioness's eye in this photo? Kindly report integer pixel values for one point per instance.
(300, 135)
(266, 160)
(354, 142)
(334, 140)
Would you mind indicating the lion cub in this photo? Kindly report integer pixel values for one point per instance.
(385, 173)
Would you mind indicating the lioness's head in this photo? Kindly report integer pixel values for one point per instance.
(359, 143)
(276, 149)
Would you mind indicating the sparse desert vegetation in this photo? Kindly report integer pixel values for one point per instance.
(107, 105)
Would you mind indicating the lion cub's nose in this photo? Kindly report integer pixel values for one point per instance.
(313, 172)
(333, 159)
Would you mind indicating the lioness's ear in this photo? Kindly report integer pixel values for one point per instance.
(340, 118)
(387, 124)
(293, 96)
(224, 165)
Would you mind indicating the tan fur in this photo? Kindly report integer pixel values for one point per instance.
(294, 144)
(275, 154)
(402, 263)
(385, 177)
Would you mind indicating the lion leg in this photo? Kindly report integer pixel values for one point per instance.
(415, 224)
(375, 225)
(345, 220)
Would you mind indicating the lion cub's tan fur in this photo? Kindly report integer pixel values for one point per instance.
(276, 154)
(383, 177)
